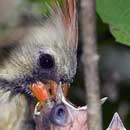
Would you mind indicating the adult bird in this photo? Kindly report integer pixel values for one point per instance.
(45, 51)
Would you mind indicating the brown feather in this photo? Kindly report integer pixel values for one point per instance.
(68, 14)
(70, 18)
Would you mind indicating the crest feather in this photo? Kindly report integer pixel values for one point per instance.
(68, 14)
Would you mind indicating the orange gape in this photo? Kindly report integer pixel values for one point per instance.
(42, 93)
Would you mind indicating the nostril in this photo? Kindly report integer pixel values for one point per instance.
(59, 115)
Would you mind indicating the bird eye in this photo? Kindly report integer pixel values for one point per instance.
(59, 115)
(46, 61)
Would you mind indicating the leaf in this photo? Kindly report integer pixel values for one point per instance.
(116, 13)
(121, 36)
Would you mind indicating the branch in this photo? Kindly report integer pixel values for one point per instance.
(90, 62)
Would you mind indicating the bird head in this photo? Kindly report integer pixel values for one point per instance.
(46, 51)
(58, 113)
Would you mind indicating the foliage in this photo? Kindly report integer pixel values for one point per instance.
(116, 13)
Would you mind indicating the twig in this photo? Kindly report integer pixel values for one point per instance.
(90, 62)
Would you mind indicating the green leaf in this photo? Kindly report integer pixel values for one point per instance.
(116, 13)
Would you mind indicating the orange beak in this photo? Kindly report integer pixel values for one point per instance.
(42, 93)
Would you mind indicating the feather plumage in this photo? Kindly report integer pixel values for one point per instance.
(46, 51)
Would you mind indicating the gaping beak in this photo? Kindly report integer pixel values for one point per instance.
(48, 93)
(56, 112)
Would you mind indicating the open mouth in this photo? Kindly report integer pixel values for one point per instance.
(46, 92)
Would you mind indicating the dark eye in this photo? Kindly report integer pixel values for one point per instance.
(46, 61)
(59, 115)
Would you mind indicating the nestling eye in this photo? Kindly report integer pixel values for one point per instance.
(59, 115)
(46, 61)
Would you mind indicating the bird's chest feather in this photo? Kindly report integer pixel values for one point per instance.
(13, 112)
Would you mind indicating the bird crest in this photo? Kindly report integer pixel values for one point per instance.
(66, 11)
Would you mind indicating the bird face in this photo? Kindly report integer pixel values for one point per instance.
(62, 117)
(42, 54)
(59, 114)
(45, 51)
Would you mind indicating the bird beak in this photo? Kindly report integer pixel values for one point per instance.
(48, 93)
(116, 123)
(47, 117)
(59, 94)
(44, 92)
